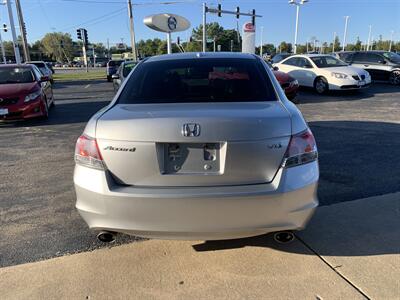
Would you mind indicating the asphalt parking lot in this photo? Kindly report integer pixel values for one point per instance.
(357, 136)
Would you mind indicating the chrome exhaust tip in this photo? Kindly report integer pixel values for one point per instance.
(283, 237)
(106, 236)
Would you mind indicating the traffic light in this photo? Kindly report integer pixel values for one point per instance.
(5, 27)
(178, 40)
(219, 10)
(79, 33)
(85, 37)
(253, 18)
(24, 28)
(237, 12)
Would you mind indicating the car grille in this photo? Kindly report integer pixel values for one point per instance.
(356, 77)
(362, 77)
(8, 101)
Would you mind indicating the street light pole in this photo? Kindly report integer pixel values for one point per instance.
(369, 37)
(391, 40)
(297, 20)
(14, 35)
(333, 44)
(345, 32)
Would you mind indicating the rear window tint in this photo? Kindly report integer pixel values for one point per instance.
(114, 63)
(198, 80)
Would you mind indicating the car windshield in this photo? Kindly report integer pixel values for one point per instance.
(327, 61)
(128, 68)
(16, 75)
(198, 80)
(393, 57)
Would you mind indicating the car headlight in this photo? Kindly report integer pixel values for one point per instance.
(293, 83)
(339, 75)
(33, 96)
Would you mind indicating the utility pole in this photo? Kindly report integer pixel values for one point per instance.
(3, 52)
(204, 27)
(345, 32)
(132, 30)
(14, 35)
(261, 41)
(22, 28)
(391, 40)
(369, 37)
(108, 48)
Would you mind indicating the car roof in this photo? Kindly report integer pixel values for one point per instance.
(199, 55)
(35, 62)
(16, 66)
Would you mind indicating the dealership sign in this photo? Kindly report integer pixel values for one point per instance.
(249, 38)
(167, 22)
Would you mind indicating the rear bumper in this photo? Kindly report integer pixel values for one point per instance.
(194, 213)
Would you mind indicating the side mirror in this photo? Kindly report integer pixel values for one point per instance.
(275, 68)
(44, 78)
(115, 76)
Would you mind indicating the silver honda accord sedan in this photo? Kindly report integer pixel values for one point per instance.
(198, 146)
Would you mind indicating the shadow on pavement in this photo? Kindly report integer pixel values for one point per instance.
(63, 114)
(308, 95)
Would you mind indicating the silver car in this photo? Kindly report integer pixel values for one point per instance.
(197, 146)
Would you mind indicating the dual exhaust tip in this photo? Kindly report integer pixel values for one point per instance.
(106, 236)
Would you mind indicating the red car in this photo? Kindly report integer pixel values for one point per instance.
(287, 82)
(24, 92)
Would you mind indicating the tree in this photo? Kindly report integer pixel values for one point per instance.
(58, 46)
(222, 37)
(285, 47)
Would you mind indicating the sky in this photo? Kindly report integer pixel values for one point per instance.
(108, 19)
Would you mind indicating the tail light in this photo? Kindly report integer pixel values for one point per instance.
(302, 149)
(87, 153)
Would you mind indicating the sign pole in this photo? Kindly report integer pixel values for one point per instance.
(169, 46)
(204, 27)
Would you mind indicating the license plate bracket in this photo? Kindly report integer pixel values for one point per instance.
(191, 158)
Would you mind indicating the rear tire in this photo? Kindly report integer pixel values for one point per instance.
(394, 77)
(321, 85)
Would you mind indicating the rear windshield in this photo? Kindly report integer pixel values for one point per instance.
(16, 75)
(198, 80)
(127, 68)
(38, 64)
(114, 63)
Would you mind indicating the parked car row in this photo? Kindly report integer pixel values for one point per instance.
(382, 65)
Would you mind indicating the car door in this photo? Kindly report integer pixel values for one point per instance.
(370, 62)
(307, 72)
(45, 85)
(290, 66)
